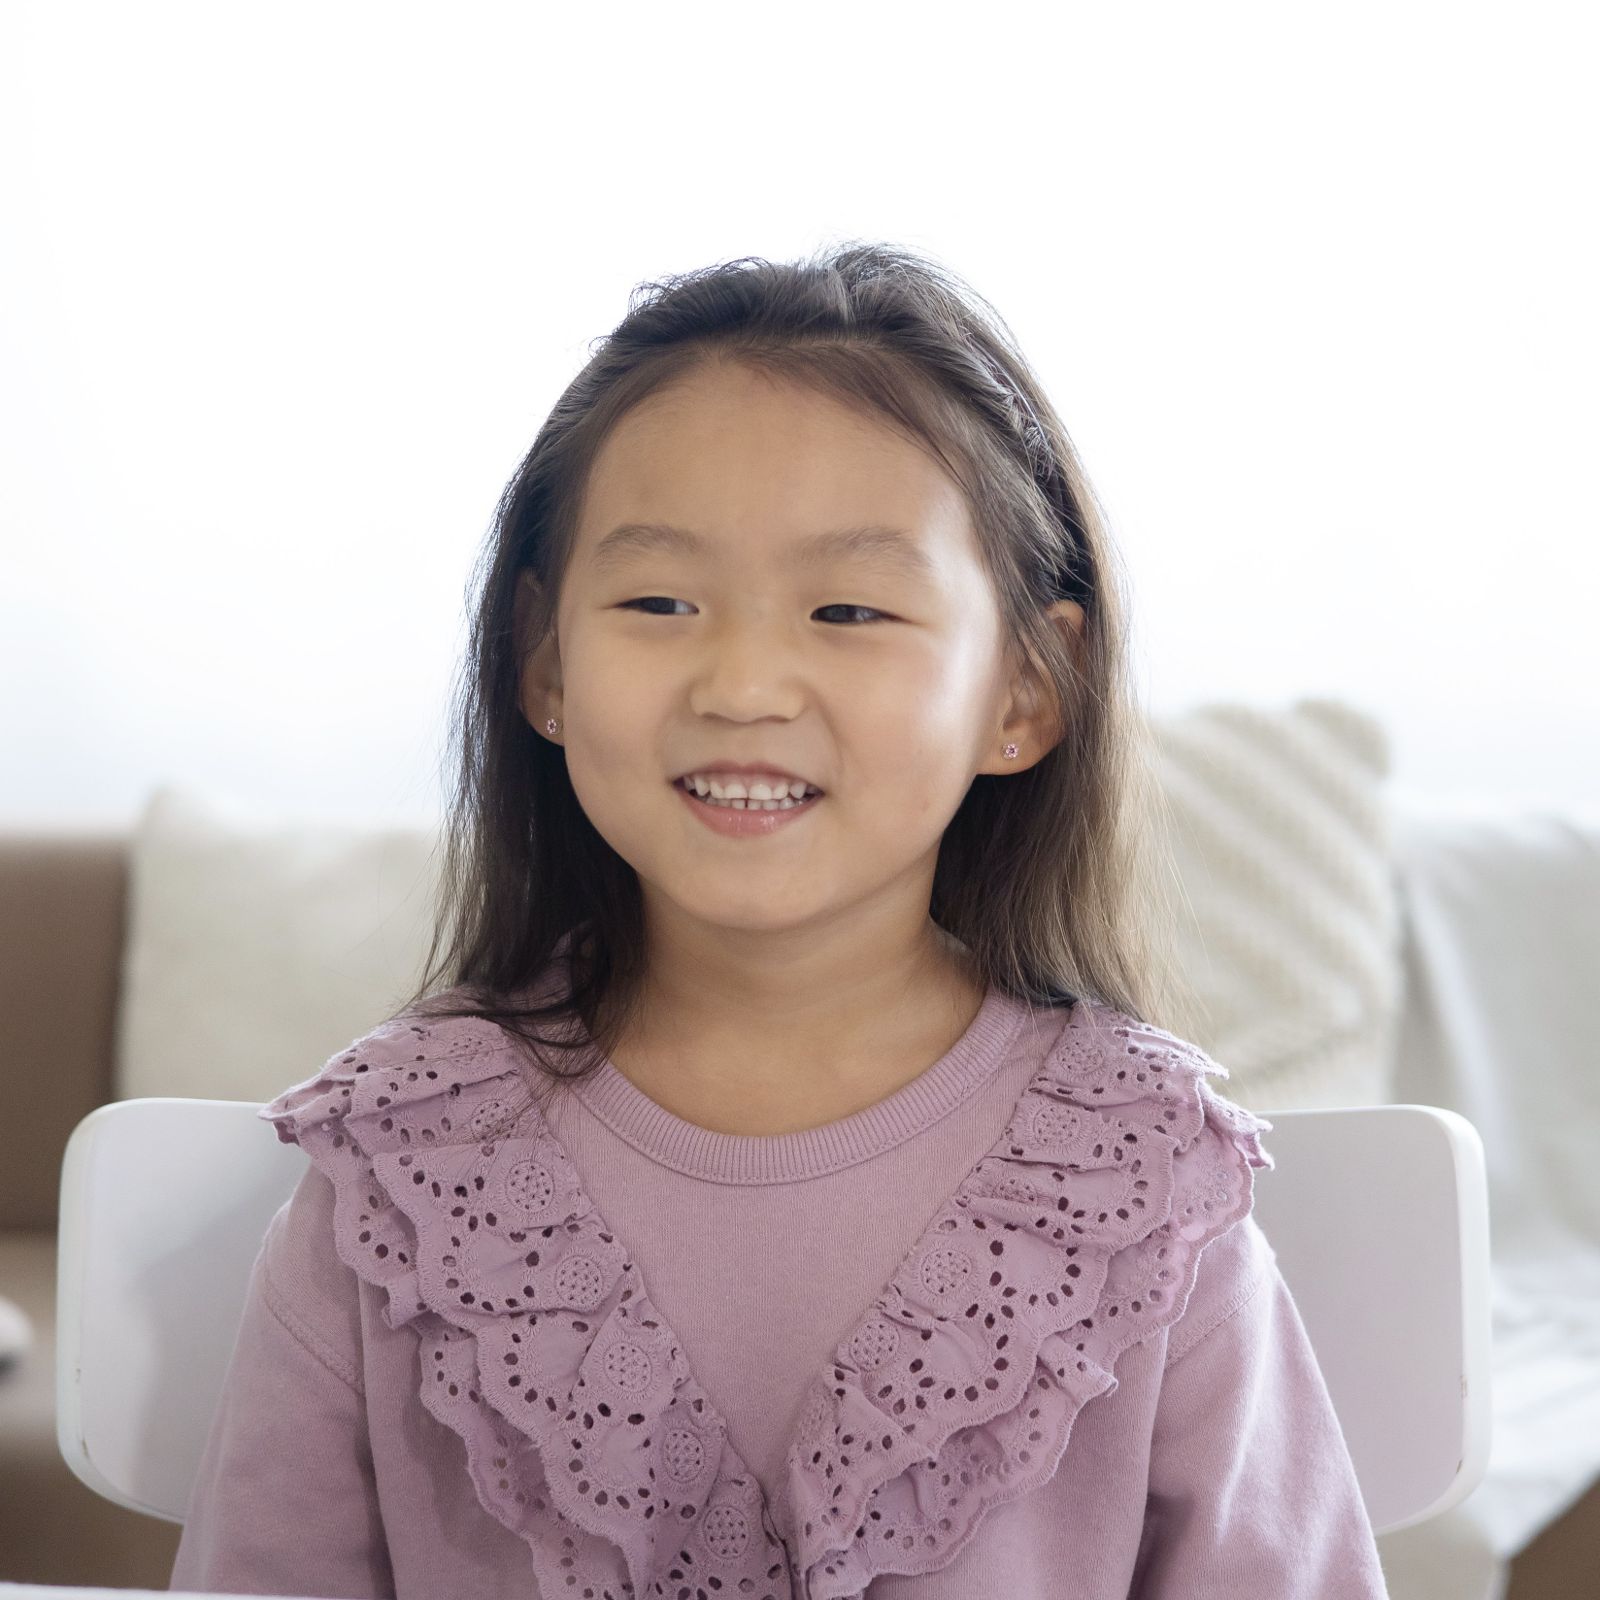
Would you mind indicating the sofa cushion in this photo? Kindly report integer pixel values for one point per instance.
(259, 947)
(1290, 942)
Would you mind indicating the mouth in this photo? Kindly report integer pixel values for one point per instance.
(813, 794)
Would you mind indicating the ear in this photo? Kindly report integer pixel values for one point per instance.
(1037, 723)
(539, 680)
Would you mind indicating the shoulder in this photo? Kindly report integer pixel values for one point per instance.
(1173, 1157)
(1123, 1067)
(305, 1283)
(1233, 1268)
(409, 1059)
(414, 1063)
(396, 1125)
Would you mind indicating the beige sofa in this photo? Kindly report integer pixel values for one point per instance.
(63, 920)
(62, 907)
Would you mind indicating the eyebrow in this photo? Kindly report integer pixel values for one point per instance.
(872, 544)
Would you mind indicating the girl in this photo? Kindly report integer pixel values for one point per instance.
(780, 1187)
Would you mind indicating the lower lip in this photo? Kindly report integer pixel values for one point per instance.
(745, 824)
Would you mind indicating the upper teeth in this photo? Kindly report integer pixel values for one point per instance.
(721, 788)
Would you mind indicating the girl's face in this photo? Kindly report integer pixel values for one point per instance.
(874, 673)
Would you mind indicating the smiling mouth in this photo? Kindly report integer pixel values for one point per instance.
(790, 804)
(682, 782)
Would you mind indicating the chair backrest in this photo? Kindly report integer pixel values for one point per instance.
(164, 1206)
(1378, 1215)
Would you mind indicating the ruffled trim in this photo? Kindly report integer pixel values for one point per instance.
(1076, 1236)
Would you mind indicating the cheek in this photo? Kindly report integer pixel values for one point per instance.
(925, 763)
(897, 798)
(634, 824)
(923, 721)
(612, 725)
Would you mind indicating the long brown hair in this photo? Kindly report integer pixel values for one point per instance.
(1044, 876)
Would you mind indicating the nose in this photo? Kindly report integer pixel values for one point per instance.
(748, 670)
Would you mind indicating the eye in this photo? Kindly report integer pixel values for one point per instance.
(667, 600)
(842, 606)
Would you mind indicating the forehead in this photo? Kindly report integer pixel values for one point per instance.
(868, 545)
(733, 468)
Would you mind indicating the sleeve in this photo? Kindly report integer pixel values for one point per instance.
(1251, 1487)
(285, 1501)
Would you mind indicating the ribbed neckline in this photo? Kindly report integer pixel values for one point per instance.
(699, 1152)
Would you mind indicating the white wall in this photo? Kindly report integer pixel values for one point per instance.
(286, 290)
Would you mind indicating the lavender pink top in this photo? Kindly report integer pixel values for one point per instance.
(1010, 1332)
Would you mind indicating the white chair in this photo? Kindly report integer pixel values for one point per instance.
(1378, 1214)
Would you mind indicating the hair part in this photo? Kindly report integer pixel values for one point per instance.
(1052, 878)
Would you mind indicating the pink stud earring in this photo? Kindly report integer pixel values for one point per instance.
(1010, 751)
(551, 725)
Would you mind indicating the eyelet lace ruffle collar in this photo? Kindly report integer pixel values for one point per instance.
(587, 1434)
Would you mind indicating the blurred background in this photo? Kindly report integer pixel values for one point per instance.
(287, 290)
